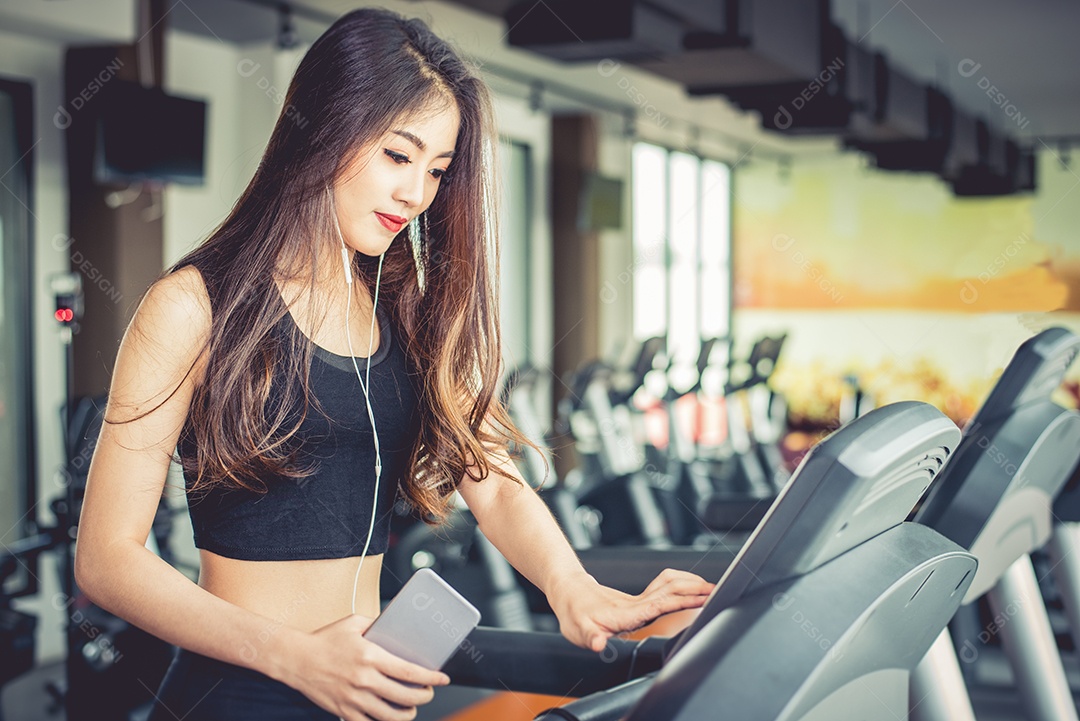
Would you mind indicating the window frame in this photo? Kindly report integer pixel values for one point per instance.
(667, 256)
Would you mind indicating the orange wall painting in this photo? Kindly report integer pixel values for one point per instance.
(885, 242)
(891, 278)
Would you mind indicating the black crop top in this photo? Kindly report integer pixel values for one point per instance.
(326, 514)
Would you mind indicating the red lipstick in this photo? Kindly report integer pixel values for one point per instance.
(391, 222)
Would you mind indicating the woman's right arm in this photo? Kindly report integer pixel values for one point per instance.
(333, 666)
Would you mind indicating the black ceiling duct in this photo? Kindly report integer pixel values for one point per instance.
(899, 109)
(594, 30)
(842, 88)
(964, 151)
(700, 15)
(1002, 167)
(751, 42)
(927, 154)
(1024, 180)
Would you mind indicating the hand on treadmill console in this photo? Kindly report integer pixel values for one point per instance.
(589, 614)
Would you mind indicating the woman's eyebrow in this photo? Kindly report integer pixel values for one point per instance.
(420, 143)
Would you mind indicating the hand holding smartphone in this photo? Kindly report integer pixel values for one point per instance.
(425, 622)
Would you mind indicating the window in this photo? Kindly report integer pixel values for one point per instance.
(682, 248)
(514, 248)
(18, 476)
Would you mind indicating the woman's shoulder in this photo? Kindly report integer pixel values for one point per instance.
(169, 329)
(176, 308)
(186, 291)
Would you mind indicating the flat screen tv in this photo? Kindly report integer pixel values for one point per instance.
(601, 203)
(144, 134)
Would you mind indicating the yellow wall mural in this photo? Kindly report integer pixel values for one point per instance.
(892, 279)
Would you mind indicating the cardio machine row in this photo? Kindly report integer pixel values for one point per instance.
(855, 649)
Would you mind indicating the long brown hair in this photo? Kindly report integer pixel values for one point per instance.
(371, 68)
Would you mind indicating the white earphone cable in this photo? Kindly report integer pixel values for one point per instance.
(347, 268)
(371, 415)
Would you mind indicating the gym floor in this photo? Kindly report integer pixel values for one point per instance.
(26, 698)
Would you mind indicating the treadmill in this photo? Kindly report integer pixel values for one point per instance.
(823, 613)
(995, 498)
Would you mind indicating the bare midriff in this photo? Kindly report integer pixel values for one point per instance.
(305, 595)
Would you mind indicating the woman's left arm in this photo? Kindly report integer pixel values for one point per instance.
(517, 521)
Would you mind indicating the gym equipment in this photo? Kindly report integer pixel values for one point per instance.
(580, 524)
(635, 502)
(750, 469)
(833, 581)
(638, 493)
(727, 487)
(995, 498)
(17, 629)
(687, 475)
(1064, 541)
(855, 400)
(108, 660)
(678, 499)
(608, 564)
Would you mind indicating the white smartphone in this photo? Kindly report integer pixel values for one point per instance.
(425, 622)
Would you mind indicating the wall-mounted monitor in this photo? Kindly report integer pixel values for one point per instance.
(144, 134)
(601, 206)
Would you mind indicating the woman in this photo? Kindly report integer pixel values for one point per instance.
(241, 357)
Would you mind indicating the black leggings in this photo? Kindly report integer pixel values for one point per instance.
(200, 688)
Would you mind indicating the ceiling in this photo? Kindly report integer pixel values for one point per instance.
(1028, 50)
(1024, 52)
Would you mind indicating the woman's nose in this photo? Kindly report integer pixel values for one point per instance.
(411, 188)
